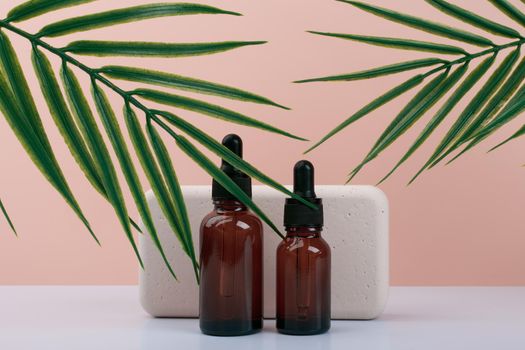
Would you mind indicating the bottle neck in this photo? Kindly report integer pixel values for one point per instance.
(304, 231)
(224, 205)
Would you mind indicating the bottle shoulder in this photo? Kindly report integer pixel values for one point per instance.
(243, 219)
(316, 246)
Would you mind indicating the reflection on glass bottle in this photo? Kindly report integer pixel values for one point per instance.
(231, 259)
(303, 262)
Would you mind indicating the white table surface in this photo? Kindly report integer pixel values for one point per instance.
(419, 318)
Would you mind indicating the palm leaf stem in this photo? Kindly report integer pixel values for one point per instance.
(93, 73)
(73, 61)
(470, 57)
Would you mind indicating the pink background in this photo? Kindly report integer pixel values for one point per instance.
(457, 225)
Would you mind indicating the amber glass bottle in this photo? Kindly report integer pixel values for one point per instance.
(231, 261)
(303, 263)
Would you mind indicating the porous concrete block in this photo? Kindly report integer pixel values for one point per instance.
(356, 228)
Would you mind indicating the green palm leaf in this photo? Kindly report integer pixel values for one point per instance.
(507, 115)
(64, 120)
(510, 10)
(75, 120)
(224, 153)
(467, 117)
(208, 109)
(460, 92)
(500, 98)
(413, 106)
(477, 120)
(397, 43)
(112, 190)
(520, 132)
(175, 190)
(147, 160)
(36, 151)
(378, 102)
(136, 48)
(115, 136)
(67, 126)
(223, 179)
(430, 127)
(422, 24)
(104, 179)
(34, 8)
(130, 14)
(492, 107)
(141, 75)
(4, 211)
(511, 110)
(380, 71)
(414, 109)
(10, 65)
(474, 19)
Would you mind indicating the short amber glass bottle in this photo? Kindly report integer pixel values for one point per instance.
(303, 263)
(231, 261)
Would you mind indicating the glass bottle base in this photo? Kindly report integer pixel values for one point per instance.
(230, 328)
(303, 327)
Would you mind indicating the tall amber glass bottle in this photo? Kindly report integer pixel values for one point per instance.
(303, 262)
(231, 261)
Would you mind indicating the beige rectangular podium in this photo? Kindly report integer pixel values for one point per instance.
(356, 228)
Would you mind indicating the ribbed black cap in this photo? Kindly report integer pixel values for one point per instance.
(297, 213)
(233, 143)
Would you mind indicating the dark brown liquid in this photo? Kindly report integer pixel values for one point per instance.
(231, 286)
(303, 282)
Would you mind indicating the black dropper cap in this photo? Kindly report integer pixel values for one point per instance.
(297, 213)
(233, 143)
